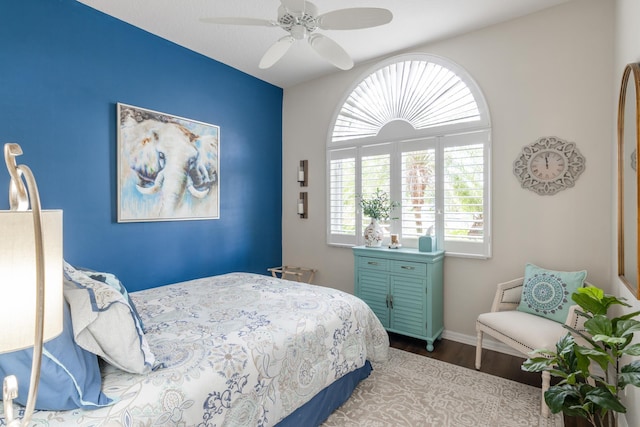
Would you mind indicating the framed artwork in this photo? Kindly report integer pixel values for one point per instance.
(168, 167)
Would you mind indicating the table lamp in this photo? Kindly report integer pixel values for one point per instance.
(30, 278)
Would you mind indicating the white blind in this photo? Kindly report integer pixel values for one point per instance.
(376, 174)
(418, 192)
(464, 193)
(422, 93)
(342, 196)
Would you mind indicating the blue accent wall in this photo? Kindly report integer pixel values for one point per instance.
(63, 68)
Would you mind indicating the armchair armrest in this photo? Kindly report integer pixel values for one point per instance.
(573, 319)
(508, 295)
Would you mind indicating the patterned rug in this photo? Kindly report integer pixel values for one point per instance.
(411, 390)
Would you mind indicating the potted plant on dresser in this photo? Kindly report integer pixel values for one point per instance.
(378, 207)
(585, 391)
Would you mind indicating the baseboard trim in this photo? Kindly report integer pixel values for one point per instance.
(487, 342)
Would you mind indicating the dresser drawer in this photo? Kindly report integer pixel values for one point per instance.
(409, 267)
(370, 263)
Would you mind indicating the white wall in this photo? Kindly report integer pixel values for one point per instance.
(627, 49)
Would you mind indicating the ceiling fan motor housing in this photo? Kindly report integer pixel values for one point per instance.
(298, 23)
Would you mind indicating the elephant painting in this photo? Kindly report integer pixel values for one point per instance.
(167, 166)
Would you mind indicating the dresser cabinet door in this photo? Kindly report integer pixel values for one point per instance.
(374, 290)
(409, 304)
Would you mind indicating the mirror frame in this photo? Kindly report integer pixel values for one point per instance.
(631, 73)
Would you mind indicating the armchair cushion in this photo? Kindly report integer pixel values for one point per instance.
(547, 293)
(522, 331)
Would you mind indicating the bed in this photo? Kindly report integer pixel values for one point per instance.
(238, 349)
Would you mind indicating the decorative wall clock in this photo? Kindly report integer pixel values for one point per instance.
(549, 165)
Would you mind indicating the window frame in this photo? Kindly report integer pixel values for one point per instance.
(399, 132)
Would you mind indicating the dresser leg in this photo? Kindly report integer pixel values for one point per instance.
(429, 345)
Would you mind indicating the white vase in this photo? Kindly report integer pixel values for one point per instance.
(373, 234)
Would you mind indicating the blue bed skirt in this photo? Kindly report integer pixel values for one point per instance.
(317, 410)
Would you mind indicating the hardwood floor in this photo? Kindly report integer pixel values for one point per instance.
(494, 363)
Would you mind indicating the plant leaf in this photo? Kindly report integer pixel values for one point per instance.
(600, 356)
(565, 344)
(612, 341)
(633, 350)
(556, 396)
(629, 315)
(595, 301)
(627, 327)
(590, 299)
(537, 364)
(604, 399)
(629, 374)
(599, 325)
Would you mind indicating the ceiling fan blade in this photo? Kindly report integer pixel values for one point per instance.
(276, 51)
(294, 5)
(240, 21)
(354, 18)
(331, 51)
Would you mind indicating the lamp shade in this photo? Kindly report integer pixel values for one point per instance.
(18, 288)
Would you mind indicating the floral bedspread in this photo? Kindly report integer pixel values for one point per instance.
(237, 350)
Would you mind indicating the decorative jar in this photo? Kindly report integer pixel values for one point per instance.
(373, 234)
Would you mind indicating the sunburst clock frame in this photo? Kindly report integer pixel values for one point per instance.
(549, 165)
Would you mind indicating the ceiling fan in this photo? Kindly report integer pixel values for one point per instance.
(300, 19)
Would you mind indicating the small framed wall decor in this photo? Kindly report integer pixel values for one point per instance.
(168, 167)
(549, 165)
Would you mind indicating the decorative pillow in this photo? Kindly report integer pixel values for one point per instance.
(547, 293)
(104, 323)
(69, 377)
(111, 280)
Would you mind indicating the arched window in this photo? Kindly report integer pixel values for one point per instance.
(418, 128)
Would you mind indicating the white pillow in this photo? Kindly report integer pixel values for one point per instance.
(105, 324)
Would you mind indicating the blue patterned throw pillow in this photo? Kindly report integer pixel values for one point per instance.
(547, 293)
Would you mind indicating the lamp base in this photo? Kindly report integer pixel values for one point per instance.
(10, 392)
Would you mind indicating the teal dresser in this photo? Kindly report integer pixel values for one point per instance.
(403, 287)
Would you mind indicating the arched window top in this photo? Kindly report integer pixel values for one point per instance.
(425, 91)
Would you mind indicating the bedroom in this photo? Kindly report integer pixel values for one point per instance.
(65, 66)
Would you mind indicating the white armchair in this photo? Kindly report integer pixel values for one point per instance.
(521, 331)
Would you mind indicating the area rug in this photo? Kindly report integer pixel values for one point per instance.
(416, 391)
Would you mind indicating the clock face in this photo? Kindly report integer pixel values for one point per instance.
(548, 165)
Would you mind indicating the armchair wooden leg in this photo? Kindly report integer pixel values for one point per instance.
(546, 382)
(479, 350)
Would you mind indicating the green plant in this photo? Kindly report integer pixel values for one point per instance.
(581, 392)
(378, 206)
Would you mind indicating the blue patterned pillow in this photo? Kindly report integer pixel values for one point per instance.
(104, 323)
(547, 293)
(69, 378)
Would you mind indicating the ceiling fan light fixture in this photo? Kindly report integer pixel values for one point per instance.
(298, 32)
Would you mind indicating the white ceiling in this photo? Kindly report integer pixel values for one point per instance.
(415, 22)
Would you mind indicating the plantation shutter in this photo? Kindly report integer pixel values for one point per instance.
(465, 193)
(418, 189)
(376, 174)
(342, 197)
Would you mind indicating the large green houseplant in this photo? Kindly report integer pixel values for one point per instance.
(590, 393)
